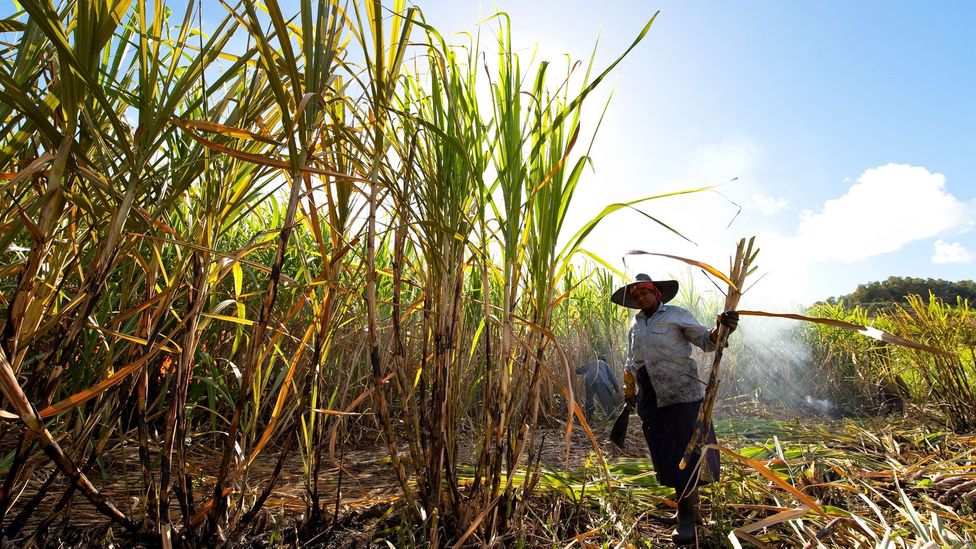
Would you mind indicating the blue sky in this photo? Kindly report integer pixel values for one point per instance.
(848, 125)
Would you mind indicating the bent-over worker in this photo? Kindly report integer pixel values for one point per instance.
(601, 386)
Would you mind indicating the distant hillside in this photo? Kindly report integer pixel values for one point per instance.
(894, 290)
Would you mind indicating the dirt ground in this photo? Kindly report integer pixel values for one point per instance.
(356, 489)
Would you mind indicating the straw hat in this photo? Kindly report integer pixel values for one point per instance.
(669, 288)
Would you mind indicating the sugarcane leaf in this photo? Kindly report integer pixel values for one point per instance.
(228, 318)
(214, 127)
(871, 332)
(577, 239)
(782, 516)
(11, 25)
(757, 466)
(603, 263)
(693, 262)
(238, 279)
(96, 390)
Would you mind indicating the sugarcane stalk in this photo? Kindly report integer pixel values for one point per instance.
(251, 358)
(268, 488)
(409, 408)
(14, 393)
(317, 428)
(28, 510)
(174, 438)
(740, 268)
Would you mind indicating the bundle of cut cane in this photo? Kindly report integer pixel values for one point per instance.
(741, 267)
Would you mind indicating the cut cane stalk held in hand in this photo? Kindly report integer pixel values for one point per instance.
(742, 266)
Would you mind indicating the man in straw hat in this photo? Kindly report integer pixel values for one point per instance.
(661, 380)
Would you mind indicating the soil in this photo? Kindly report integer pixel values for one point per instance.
(357, 491)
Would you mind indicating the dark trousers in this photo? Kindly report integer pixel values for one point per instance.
(602, 394)
(667, 431)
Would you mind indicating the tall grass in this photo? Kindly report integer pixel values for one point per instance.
(877, 374)
(243, 249)
(262, 253)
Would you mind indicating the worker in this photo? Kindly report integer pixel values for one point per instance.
(662, 381)
(601, 386)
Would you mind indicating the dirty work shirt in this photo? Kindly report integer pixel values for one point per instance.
(661, 345)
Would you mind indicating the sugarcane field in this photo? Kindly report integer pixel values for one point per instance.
(430, 273)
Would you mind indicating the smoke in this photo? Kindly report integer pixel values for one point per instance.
(769, 360)
(821, 404)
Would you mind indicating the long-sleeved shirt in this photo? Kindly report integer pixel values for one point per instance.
(661, 345)
(598, 372)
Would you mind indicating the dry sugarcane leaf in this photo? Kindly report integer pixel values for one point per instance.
(229, 131)
(695, 263)
(559, 299)
(93, 391)
(747, 537)
(14, 394)
(559, 165)
(757, 466)
(224, 255)
(36, 166)
(772, 520)
(476, 522)
(131, 338)
(335, 412)
(202, 511)
(871, 332)
(587, 534)
(756, 507)
(33, 229)
(334, 429)
(264, 160)
(574, 408)
(282, 396)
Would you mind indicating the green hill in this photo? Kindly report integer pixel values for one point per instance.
(895, 289)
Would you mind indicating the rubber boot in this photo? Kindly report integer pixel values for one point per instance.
(684, 534)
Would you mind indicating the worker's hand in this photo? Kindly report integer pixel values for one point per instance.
(630, 388)
(729, 319)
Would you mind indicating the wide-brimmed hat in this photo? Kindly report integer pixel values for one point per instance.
(669, 288)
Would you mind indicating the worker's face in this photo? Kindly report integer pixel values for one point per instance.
(644, 297)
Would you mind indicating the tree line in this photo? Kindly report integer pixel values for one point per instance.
(896, 289)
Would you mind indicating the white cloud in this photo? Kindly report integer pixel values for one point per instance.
(769, 205)
(950, 252)
(883, 210)
(886, 208)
